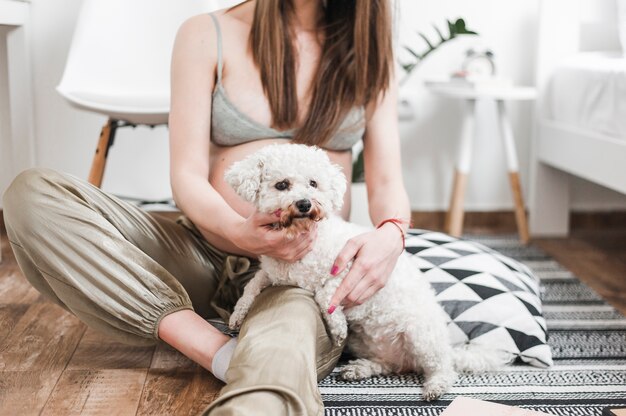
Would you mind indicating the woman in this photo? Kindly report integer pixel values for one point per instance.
(258, 73)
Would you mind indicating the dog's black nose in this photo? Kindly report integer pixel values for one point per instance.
(303, 205)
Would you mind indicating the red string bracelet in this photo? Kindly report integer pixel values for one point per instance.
(396, 222)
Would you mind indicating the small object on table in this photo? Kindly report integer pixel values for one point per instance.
(470, 91)
(466, 406)
(479, 63)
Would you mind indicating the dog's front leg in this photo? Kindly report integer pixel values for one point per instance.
(336, 321)
(259, 282)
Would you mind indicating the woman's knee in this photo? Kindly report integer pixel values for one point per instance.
(289, 317)
(284, 299)
(26, 193)
(284, 308)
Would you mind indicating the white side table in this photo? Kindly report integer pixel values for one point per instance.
(454, 217)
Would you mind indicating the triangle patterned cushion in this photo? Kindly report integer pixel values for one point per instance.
(491, 299)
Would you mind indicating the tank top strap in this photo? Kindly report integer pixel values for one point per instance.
(219, 47)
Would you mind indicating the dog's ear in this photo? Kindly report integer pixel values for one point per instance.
(244, 177)
(337, 186)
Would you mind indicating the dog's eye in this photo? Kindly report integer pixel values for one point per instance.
(282, 185)
(313, 183)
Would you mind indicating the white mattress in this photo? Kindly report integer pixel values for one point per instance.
(588, 91)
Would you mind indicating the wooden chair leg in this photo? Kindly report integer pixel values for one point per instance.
(107, 135)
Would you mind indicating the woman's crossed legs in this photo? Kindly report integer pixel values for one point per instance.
(122, 270)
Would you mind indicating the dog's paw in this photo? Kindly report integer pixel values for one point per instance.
(437, 385)
(339, 334)
(339, 340)
(355, 372)
(337, 327)
(236, 319)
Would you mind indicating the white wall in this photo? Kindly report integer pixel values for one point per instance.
(138, 162)
(6, 145)
(66, 138)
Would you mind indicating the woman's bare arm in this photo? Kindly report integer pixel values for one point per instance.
(194, 58)
(387, 195)
(375, 253)
(193, 69)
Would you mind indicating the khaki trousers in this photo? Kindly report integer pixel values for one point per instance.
(121, 270)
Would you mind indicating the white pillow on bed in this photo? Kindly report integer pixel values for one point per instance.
(621, 23)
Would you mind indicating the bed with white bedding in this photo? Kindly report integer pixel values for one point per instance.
(581, 117)
(588, 91)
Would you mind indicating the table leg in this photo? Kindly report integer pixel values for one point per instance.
(454, 217)
(506, 132)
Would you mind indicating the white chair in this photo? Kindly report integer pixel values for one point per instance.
(119, 63)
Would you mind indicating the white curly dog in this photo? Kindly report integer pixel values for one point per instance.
(401, 328)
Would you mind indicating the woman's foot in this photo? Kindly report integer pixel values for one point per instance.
(194, 337)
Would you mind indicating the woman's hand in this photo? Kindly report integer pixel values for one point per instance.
(374, 256)
(255, 235)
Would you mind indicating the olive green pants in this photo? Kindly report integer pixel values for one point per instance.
(121, 270)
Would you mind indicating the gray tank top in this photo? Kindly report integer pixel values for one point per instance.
(230, 127)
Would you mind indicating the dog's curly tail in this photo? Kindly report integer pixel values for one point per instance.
(470, 358)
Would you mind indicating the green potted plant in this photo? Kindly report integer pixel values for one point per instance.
(454, 29)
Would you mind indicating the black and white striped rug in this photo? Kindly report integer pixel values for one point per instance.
(588, 341)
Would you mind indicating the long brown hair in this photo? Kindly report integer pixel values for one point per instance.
(354, 67)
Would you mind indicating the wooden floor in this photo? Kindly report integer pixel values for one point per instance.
(52, 364)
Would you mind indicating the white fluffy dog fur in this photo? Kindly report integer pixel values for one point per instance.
(401, 328)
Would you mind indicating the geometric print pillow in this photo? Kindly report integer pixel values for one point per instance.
(491, 299)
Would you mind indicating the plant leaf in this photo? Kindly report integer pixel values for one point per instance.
(451, 29)
(430, 45)
(412, 52)
(458, 27)
(442, 39)
(358, 169)
(408, 67)
(461, 28)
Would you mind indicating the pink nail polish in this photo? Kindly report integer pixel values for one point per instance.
(331, 309)
(278, 212)
(333, 271)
